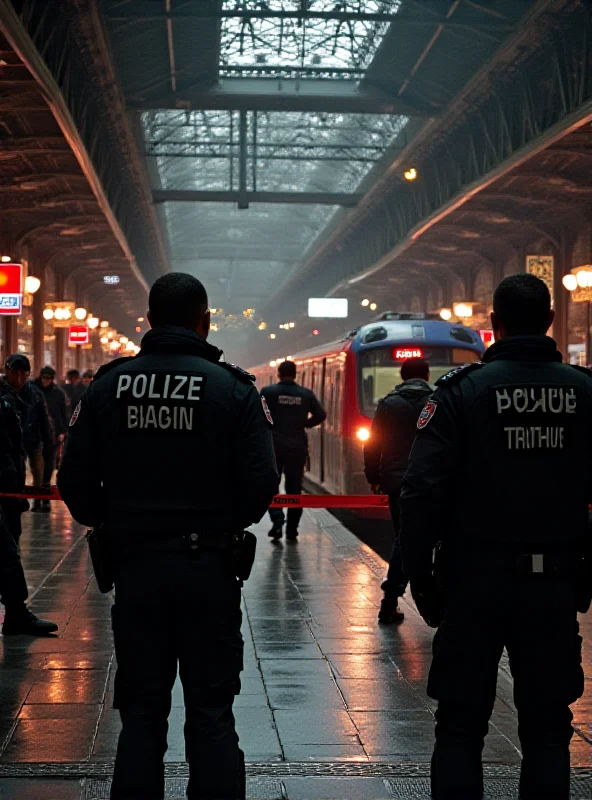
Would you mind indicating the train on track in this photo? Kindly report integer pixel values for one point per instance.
(350, 375)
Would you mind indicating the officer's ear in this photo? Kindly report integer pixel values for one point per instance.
(204, 324)
(551, 317)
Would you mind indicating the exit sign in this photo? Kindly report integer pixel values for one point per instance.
(78, 334)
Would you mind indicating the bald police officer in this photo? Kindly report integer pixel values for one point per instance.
(172, 453)
(501, 475)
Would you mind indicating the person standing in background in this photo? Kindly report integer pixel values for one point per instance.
(385, 461)
(73, 388)
(293, 409)
(36, 425)
(57, 405)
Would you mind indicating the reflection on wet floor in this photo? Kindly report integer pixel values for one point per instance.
(323, 683)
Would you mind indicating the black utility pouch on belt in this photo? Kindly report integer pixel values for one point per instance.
(101, 559)
(244, 545)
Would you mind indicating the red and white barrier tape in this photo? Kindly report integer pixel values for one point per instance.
(279, 501)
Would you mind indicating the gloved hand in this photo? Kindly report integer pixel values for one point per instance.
(427, 597)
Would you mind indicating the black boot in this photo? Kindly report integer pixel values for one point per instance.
(25, 622)
(389, 611)
(276, 531)
(291, 534)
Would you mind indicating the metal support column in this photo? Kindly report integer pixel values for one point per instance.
(243, 201)
(562, 267)
(38, 320)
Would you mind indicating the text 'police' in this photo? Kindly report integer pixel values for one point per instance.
(159, 400)
(548, 403)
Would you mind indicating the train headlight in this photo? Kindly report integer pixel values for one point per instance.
(363, 434)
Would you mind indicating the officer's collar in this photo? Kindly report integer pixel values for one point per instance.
(179, 341)
(523, 348)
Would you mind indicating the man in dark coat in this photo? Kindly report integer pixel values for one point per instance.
(172, 453)
(36, 425)
(500, 478)
(57, 405)
(294, 409)
(385, 461)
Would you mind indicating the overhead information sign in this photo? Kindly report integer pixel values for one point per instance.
(11, 289)
(323, 307)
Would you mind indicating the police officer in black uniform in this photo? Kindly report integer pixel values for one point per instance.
(172, 453)
(293, 409)
(501, 476)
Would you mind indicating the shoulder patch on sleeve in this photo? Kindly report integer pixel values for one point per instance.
(427, 413)
(585, 370)
(75, 414)
(266, 410)
(238, 372)
(458, 373)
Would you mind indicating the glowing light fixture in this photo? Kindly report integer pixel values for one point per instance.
(315, 332)
(410, 174)
(123, 340)
(291, 324)
(272, 363)
(48, 313)
(262, 326)
(32, 284)
(446, 314)
(463, 310)
(140, 319)
(365, 302)
(272, 335)
(104, 323)
(373, 306)
(104, 340)
(130, 346)
(80, 313)
(570, 282)
(363, 434)
(92, 322)
(5, 259)
(584, 278)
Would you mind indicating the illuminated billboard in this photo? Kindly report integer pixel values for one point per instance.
(335, 307)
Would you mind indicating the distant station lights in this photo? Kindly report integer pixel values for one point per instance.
(32, 284)
(578, 278)
(367, 304)
(5, 259)
(272, 335)
(446, 314)
(463, 310)
(80, 313)
(410, 174)
(315, 332)
(111, 280)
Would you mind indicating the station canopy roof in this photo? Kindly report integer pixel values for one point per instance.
(263, 119)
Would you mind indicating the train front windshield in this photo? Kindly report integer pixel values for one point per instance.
(380, 368)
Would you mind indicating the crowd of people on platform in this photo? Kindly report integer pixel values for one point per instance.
(44, 408)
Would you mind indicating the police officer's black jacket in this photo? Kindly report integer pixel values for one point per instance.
(502, 457)
(393, 430)
(293, 409)
(12, 455)
(168, 442)
(31, 408)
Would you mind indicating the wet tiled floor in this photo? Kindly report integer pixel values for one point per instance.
(332, 705)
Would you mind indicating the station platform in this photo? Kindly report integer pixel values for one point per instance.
(333, 706)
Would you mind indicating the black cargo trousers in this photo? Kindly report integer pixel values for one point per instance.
(174, 608)
(290, 455)
(535, 618)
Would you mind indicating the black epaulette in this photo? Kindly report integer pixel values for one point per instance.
(586, 370)
(238, 372)
(105, 368)
(455, 375)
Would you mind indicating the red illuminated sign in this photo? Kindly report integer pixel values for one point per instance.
(486, 337)
(11, 288)
(407, 352)
(78, 334)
